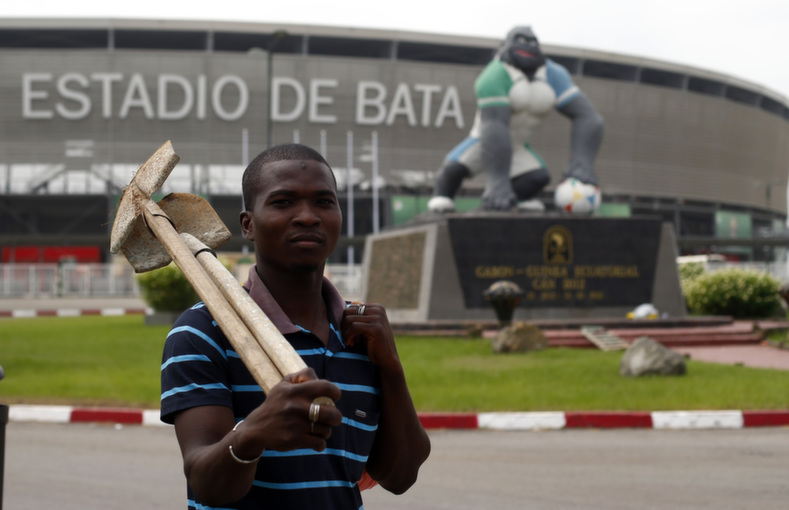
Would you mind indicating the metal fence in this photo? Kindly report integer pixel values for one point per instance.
(118, 280)
(67, 280)
(113, 280)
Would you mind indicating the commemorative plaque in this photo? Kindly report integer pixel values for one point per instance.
(567, 266)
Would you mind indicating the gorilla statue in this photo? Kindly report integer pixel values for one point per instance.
(515, 93)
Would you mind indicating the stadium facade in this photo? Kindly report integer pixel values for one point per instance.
(84, 102)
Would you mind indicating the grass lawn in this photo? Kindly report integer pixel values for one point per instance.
(114, 361)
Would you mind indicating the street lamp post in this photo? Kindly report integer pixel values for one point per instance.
(276, 37)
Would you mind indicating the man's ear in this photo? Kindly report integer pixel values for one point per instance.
(246, 221)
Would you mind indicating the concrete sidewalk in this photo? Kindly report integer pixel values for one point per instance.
(71, 306)
(754, 356)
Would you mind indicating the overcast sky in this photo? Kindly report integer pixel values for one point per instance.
(746, 39)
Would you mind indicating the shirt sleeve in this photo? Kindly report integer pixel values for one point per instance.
(560, 81)
(195, 362)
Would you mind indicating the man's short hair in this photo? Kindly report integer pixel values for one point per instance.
(250, 182)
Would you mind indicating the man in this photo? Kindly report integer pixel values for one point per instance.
(515, 93)
(243, 449)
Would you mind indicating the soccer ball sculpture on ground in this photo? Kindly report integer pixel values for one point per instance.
(575, 197)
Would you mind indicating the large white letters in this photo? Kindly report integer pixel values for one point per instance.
(243, 98)
(76, 96)
(163, 105)
(450, 108)
(402, 105)
(376, 102)
(136, 97)
(70, 96)
(173, 97)
(106, 80)
(276, 98)
(29, 95)
(316, 100)
(371, 105)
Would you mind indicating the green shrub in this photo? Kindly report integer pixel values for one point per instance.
(688, 273)
(167, 289)
(740, 293)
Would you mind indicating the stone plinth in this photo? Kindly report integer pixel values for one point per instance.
(568, 267)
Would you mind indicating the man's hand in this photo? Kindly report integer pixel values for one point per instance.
(284, 421)
(368, 323)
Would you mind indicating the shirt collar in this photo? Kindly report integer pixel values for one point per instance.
(261, 295)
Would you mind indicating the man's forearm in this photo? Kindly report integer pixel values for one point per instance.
(401, 444)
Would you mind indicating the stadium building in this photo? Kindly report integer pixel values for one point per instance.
(84, 102)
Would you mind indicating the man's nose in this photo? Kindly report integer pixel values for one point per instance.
(307, 215)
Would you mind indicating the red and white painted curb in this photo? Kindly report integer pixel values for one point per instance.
(71, 312)
(71, 414)
(534, 421)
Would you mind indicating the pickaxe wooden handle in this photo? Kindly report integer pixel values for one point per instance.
(246, 345)
(136, 202)
(265, 332)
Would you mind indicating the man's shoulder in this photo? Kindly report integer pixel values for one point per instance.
(195, 318)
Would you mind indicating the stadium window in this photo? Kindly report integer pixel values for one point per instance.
(573, 65)
(66, 39)
(772, 106)
(243, 42)
(697, 223)
(741, 95)
(160, 40)
(610, 70)
(425, 52)
(238, 41)
(704, 86)
(661, 78)
(347, 47)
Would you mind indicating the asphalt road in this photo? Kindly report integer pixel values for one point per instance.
(104, 467)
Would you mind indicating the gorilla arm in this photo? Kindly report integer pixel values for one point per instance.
(585, 139)
(496, 158)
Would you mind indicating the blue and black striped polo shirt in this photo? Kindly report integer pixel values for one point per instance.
(200, 367)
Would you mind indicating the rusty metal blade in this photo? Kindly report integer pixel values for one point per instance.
(189, 214)
(148, 179)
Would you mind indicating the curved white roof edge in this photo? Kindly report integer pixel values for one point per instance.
(375, 33)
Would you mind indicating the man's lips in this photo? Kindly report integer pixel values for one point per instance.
(307, 239)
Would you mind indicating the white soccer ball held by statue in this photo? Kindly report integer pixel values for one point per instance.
(575, 197)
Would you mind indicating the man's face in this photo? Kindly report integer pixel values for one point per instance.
(523, 50)
(296, 218)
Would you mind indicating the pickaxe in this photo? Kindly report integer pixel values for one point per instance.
(148, 235)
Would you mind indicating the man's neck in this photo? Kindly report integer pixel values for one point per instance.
(299, 295)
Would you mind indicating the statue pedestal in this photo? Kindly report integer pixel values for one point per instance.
(569, 267)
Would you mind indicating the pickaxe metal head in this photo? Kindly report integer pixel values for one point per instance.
(186, 212)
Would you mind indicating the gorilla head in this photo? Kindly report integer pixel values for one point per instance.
(522, 50)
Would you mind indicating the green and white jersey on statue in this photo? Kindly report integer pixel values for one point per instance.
(530, 102)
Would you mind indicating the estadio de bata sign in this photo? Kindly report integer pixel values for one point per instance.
(172, 97)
